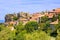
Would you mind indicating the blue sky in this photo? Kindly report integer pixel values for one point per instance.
(11, 6)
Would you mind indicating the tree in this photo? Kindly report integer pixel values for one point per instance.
(58, 36)
(37, 36)
(54, 18)
(15, 18)
(44, 25)
(31, 26)
(44, 19)
(41, 26)
(7, 34)
(59, 16)
(19, 27)
(2, 27)
(20, 36)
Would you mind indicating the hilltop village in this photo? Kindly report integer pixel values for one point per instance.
(27, 26)
(24, 17)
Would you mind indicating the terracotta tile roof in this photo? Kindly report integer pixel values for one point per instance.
(36, 16)
(55, 10)
(32, 19)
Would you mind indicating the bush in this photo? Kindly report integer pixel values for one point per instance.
(44, 19)
(7, 34)
(19, 27)
(31, 26)
(15, 18)
(37, 36)
(20, 35)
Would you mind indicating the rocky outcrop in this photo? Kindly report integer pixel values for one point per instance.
(9, 17)
(17, 17)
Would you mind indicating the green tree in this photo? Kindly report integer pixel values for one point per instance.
(2, 27)
(44, 25)
(54, 18)
(7, 34)
(58, 36)
(15, 18)
(57, 26)
(20, 36)
(59, 16)
(31, 26)
(37, 36)
(41, 26)
(44, 19)
(19, 27)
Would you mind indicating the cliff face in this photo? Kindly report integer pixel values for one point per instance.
(14, 17)
(9, 17)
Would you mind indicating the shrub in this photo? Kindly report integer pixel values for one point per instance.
(31, 26)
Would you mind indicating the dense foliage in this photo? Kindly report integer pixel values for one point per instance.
(31, 26)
